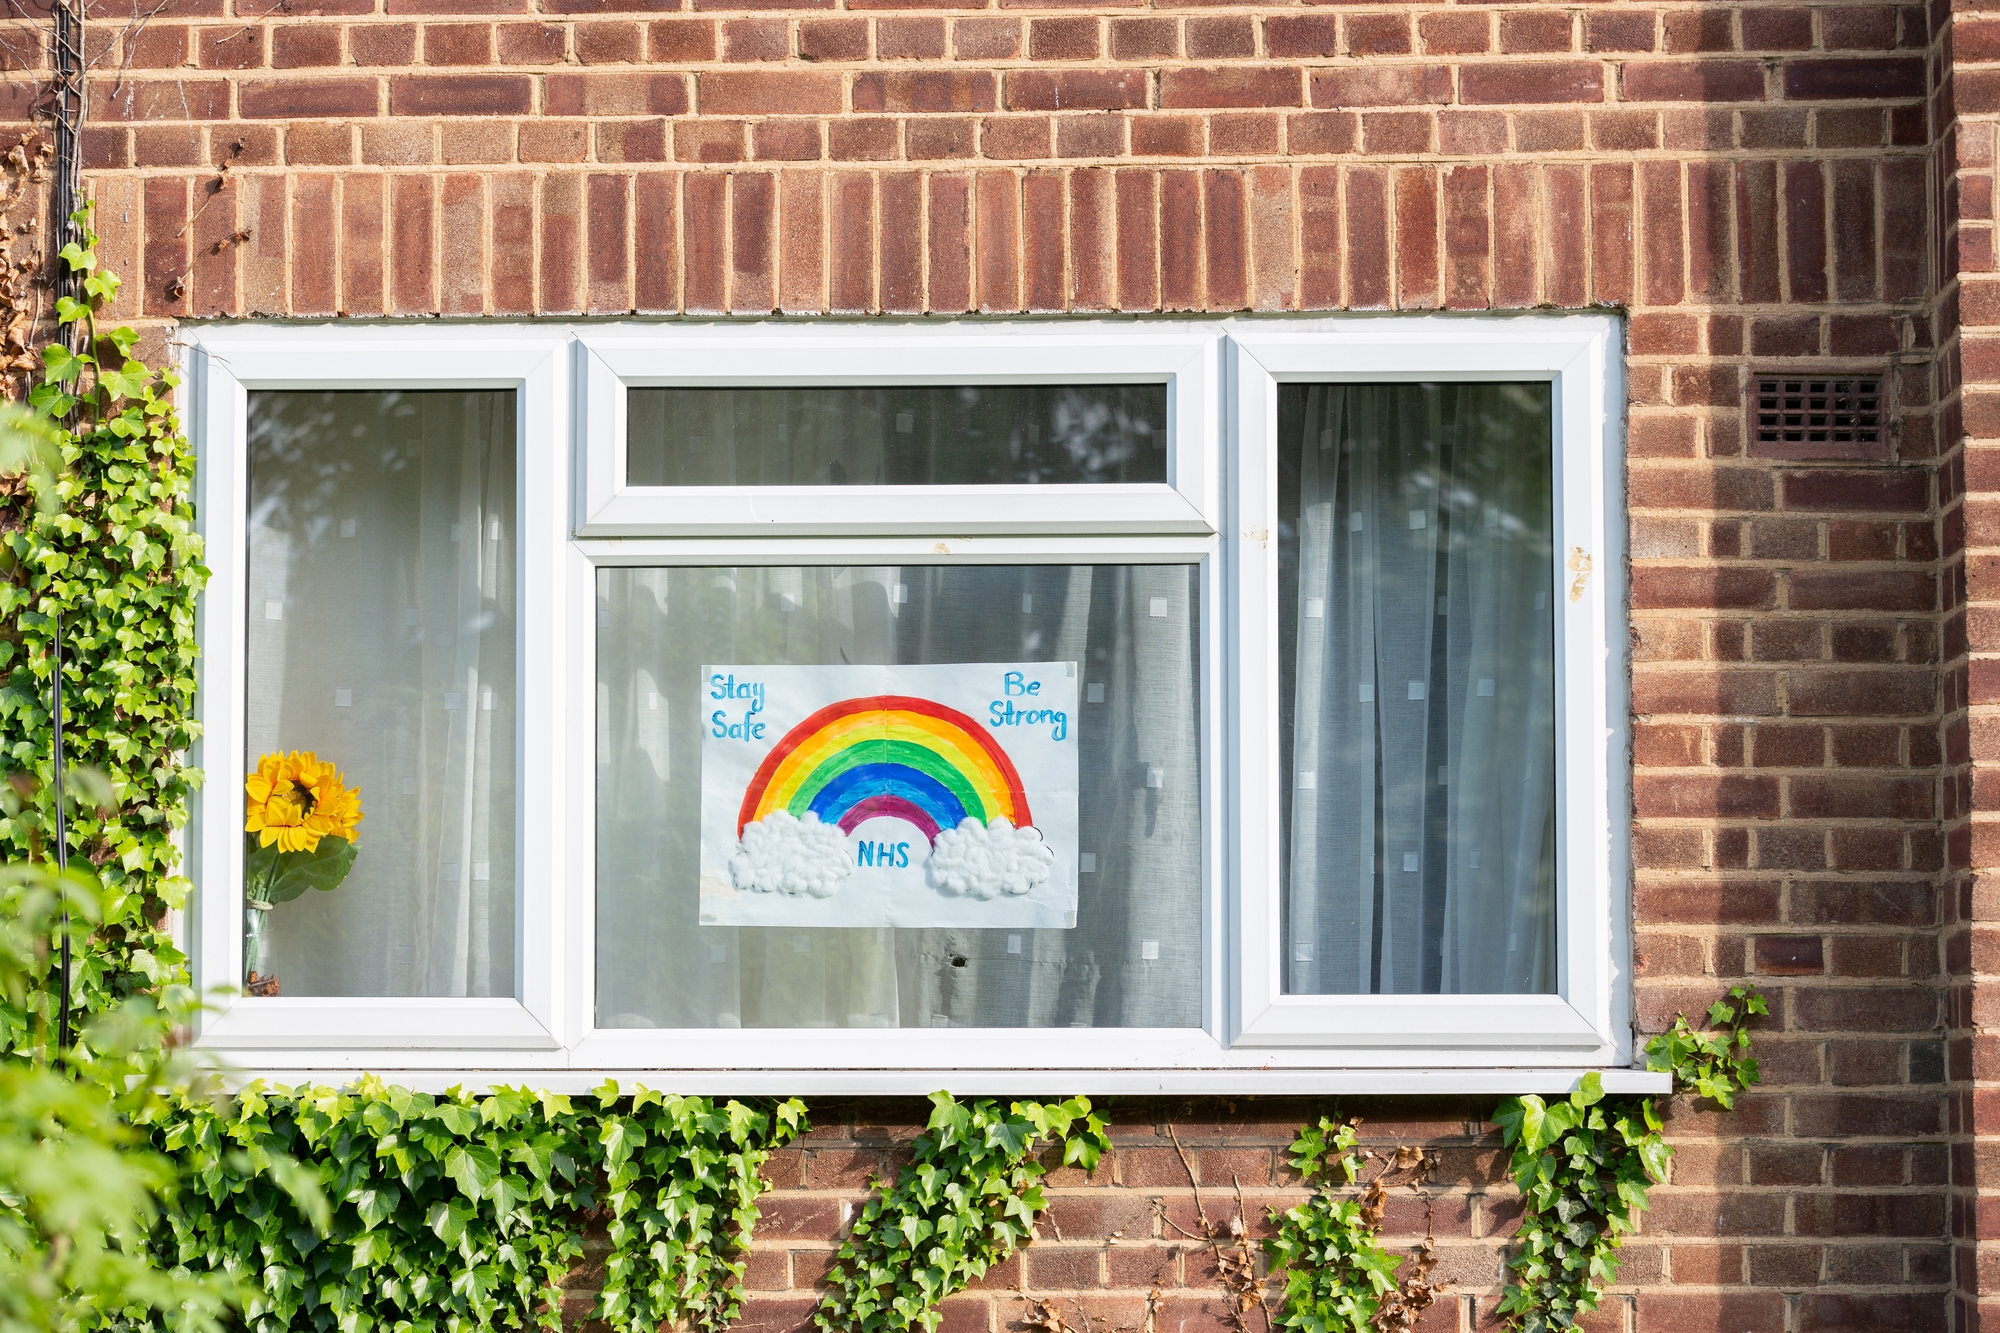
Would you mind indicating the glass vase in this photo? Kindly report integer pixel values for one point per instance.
(256, 926)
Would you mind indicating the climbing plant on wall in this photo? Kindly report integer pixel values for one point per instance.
(462, 1211)
(115, 563)
(1337, 1276)
(966, 1201)
(1584, 1164)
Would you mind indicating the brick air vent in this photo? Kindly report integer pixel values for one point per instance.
(1818, 415)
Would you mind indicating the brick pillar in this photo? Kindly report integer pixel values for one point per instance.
(1967, 310)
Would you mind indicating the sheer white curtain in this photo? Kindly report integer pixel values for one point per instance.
(381, 636)
(1134, 957)
(1419, 688)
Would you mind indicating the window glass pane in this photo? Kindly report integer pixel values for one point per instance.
(1417, 688)
(1133, 957)
(381, 637)
(941, 435)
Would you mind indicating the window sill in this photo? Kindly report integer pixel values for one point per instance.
(1001, 1082)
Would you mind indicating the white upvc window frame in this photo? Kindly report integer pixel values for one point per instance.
(1588, 1019)
(1180, 355)
(1216, 510)
(225, 363)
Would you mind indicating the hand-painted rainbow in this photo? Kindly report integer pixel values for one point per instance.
(887, 754)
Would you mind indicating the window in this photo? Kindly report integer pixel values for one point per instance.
(1416, 688)
(863, 707)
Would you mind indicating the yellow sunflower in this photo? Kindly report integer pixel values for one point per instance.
(335, 807)
(295, 799)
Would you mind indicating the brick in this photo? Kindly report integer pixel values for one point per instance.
(861, 140)
(1075, 90)
(1455, 33)
(1472, 133)
(1467, 243)
(1531, 82)
(1687, 902)
(1859, 797)
(801, 280)
(1827, 1312)
(1396, 133)
(615, 94)
(745, 40)
(830, 39)
(1706, 81)
(1395, 85)
(935, 137)
(230, 48)
(1694, 30)
(1416, 202)
(1094, 237)
(529, 43)
(695, 39)
(460, 258)
(459, 95)
(1167, 136)
(1692, 796)
(1657, 588)
(457, 43)
(910, 39)
(1777, 28)
(1220, 38)
(786, 140)
(1180, 240)
(561, 283)
(1137, 249)
(1897, 490)
(997, 240)
(1063, 39)
(1224, 208)
(752, 258)
(704, 207)
(1742, 693)
(610, 43)
(708, 141)
(1887, 590)
(412, 235)
(1536, 32)
(1044, 278)
(1620, 31)
(1015, 138)
(1366, 224)
(1873, 77)
(304, 46)
(949, 246)
(1232, 87)
(945, 90)
(292, 99)
(762, 93)
(313, 281)
(383, 44)
(1306, 36)
(999, 39)
(1090, 136)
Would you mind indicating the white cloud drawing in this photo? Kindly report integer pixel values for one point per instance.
(783, 854)
(987, 860)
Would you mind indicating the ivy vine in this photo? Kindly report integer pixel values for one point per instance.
(467, 1212)
(965, 1203)
(115, 560)
(1584, 1164)
(1337, 1276)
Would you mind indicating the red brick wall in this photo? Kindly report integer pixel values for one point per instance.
(1758, 185)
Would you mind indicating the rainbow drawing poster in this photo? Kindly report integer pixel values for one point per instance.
(889, 795)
